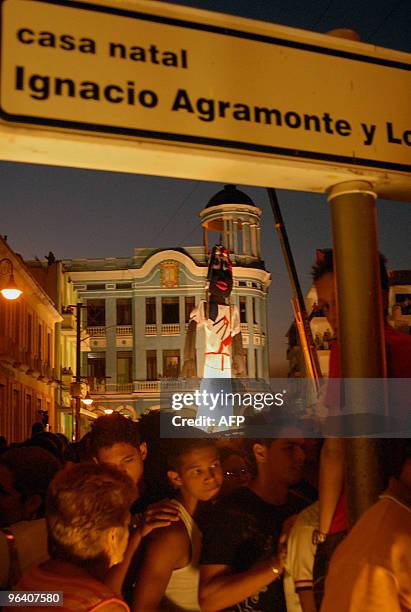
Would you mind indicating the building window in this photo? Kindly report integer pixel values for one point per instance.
(40, 342)
(96, 368)
(96, 287)
(170, 310)
(151, 311)
(151, 362)
(189, 304)
(48, 348)
(17, 323)
(124, 367)
(256, 363)
(255, 311)
(171, 364)
(29, 333)
(243, 310)
(96, 313)
(123, 286)
(124, 311)
(29, 414)
(242, 284)
(16, 415)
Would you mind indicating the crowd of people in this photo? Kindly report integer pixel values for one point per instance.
(126, 520)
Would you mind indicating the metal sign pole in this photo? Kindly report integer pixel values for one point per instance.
(360, 323)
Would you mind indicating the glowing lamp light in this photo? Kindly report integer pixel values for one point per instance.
(88, 400)
(108, 411)
(10, 291)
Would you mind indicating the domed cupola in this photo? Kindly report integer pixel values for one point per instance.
(232, 214)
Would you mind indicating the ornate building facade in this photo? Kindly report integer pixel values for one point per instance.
(28, 378)
(138, 307)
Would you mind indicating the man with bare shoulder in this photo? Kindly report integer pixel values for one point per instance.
(169, 575)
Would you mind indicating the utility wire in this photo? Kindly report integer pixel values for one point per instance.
(175, 212)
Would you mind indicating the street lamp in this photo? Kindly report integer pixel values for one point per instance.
(77, 384)
(10, 291)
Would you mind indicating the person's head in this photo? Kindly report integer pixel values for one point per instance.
(87, 514)
(25, 474)
(37, 428)
(194, 468)
(49, 442)
(324, 281)
(236, 472)
(276, 460)
(114, 440)
(220, 275)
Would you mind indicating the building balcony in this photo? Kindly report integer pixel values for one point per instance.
(96, 330)
(144, 386)
(124, 330)
(105, 387)
(151, 329)
(170, 329)
(123, 387)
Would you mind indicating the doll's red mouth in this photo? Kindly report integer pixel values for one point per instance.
(222, 285)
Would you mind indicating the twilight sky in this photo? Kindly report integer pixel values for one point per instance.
(83, 213)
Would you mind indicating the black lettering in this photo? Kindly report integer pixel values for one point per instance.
(87, 45)
(89, 91)
(222, 107)
(19, 78)
(182, 101)
(390, 134)
(39, 85)
(148, 98)
(327, 122)
(153, 54)
(114, 47)
(108, 94)
(170, 59)
(206, 109)
(47, 39)
(130, 93)
(184, 63)
(407, 137)
(312, 119)
(67, 42)
(61, 83)
(22, 38)
(293, 120)
(342, 127)
(241, 112)
(267, 113)
(138, 54)
(369, 131)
